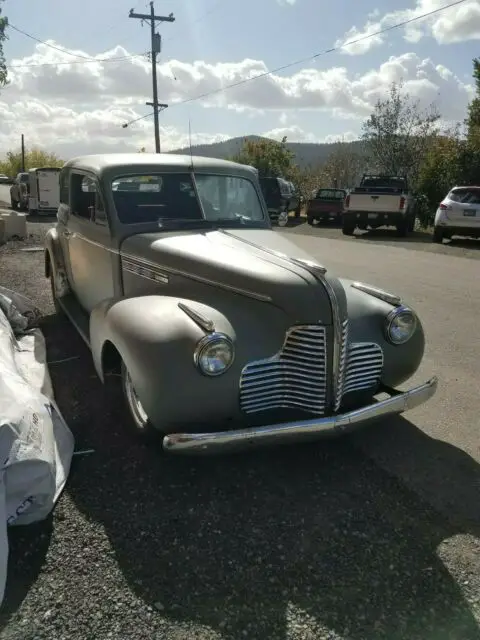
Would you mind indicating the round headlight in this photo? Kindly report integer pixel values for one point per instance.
(214, 354)
(400, 325)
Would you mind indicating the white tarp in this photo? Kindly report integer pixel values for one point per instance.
(36, 446)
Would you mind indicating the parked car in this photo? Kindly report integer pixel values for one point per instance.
(379, 201)
(224, 333)
(458, 214)
(19, 191)
(281, 198)
(325, 205)
(4, 179)
(44, 194)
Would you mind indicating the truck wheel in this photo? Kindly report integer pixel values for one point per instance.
(13, 204)
(137, 418)
(402, 228)
(411, 224)
(311, 221)
(437, 235)
(348, 228)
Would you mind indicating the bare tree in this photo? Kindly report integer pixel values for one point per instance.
(399, 133)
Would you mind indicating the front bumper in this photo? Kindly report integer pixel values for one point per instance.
(301, 431)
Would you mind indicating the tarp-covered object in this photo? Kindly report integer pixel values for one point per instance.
(36, 446)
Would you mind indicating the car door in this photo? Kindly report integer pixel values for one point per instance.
(91, 256)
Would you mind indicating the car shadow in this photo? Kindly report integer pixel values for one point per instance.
(252, 544)
(50, 217)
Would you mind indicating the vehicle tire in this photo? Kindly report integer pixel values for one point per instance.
(311, 221)
(402, 227)
(348, 227)
(437, 235)
(411, 224)
(138, 421)
(58, 307)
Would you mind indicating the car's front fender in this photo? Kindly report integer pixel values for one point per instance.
(156, 340)
(367, 320)
(55, 263)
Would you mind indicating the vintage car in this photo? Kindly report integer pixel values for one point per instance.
(225, 334)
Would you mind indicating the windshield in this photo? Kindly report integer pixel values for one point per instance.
(173, 197)
(330, 194)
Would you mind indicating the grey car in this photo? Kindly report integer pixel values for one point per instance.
(224, 333)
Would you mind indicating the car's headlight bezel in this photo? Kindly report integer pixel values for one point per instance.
(392, 317)
(207, 342)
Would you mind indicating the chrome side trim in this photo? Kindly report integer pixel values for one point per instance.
(390, 298)
(299, 431)
(144, 271)
(204, 323)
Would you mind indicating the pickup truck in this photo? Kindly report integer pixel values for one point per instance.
(379, 201)
(19, 191)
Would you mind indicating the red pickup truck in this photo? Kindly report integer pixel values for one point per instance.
(326, 204)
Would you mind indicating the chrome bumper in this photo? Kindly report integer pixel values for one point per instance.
(305, 430)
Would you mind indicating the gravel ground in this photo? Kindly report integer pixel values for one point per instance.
(302, 543)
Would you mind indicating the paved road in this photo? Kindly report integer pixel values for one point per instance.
(374, 536)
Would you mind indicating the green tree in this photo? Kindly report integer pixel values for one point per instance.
(3, 68)
(473, 117)
(343, 167)
(398, 134)
(271, 158)
(33, 158)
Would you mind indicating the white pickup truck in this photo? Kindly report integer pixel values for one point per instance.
(379, 201)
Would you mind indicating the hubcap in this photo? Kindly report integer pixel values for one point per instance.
(138, 412)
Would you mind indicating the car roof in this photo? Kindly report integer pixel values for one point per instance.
(465, 186)
(112, 162)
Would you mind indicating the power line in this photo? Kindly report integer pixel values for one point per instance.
(47, 44)
(56, 64)
(84, 59)
(307, 59)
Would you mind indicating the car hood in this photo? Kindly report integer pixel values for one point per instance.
(252, 262)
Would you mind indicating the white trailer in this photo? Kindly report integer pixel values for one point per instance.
(44, 190)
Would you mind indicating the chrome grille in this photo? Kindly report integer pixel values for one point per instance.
(341, 365)
(364, 366)
(295, 378)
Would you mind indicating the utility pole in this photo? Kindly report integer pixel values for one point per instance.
(155, 50)
(156, 110)
(23, 153)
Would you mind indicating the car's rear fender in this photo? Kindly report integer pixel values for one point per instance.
(156, 340)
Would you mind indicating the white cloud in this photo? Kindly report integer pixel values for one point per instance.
(74, 108)
(456, 24)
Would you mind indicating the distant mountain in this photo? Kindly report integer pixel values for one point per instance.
(306, 153)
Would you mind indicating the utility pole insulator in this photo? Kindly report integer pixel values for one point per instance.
(156, 46)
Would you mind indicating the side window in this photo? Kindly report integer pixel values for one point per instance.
(64, 190)
(87, 203)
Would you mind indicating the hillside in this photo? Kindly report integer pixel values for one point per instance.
(306, 153)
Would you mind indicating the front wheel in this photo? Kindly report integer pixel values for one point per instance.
(137, 417)
(58, 307)
(437, 235)
(348, 227)
(402, 228)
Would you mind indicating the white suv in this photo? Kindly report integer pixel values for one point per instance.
(458, 214)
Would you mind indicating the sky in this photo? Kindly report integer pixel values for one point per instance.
(79, 70)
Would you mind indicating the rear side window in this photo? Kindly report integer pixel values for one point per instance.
(465, 196)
